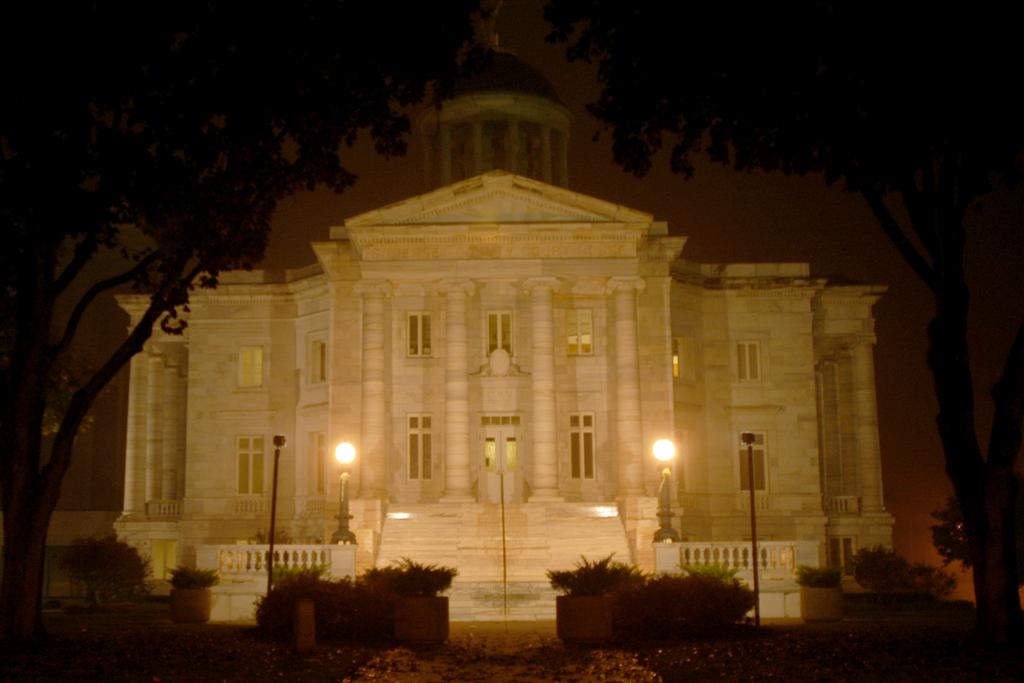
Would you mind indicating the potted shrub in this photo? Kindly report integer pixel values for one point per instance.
(583, 613)
(190, 594)
(421, 612)
(821, 595)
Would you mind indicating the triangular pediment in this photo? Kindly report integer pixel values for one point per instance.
(502, 198)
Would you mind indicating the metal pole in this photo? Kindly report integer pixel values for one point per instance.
(343, 534)
(504, 550)
(665, 532)
(753, 529)
(278, 442)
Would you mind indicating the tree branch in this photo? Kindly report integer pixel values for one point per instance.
(1008, 397)
(90, 296)
(84, 251)
(896, 234)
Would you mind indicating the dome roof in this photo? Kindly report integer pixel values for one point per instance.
(505, 72)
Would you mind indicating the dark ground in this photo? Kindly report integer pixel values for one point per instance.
(143, 645)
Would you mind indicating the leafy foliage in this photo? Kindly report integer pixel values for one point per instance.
(818, 577)
(884, 571)
(409, 579)
(714, 571)
(344, 610)
(109, 568)
(668, 606)
(597, 577)
(189, 577)
(949, 535)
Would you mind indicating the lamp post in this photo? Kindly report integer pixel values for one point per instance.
(664, 452)
(748, 440)
(345, 453)
(279, 443)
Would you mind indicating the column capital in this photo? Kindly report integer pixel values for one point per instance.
(625, 283)
(535, 284)
(453, 285)
(382, 287)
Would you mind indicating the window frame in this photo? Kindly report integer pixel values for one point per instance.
(683, 358)
(316, 360)
(747, 349)
(419, 434)
(246, 376)
(251, 466)
(760, 451)
(502, 333)
(581, 452)
(414, 330)
(573, 319)
(318, 462)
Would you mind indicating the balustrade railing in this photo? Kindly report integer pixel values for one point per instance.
(163, 509)
(844, 504)
(248, 505)
(233, 560)
(761, 501)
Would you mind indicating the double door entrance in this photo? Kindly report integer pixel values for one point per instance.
(501, 459)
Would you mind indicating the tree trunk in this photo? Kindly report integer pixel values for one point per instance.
(25, 529)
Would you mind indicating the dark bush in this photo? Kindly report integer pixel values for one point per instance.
(344, 610)
(598, 577)
(191, 578)
(715, 571)
(410, 579)
(110, 569)
(881, 570)
(667, 606)
(818, 577)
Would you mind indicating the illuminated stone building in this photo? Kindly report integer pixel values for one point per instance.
(502, 339)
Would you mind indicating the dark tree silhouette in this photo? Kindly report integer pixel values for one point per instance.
(145, 146)
(914, 106)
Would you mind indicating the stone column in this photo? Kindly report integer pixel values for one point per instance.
(865, 409)
(154, 426)
(629, 442)
(372, 455)
(456, 392)
(135, 442)
(446, 155)
(545, 460)
(545, 142)
(172, 423)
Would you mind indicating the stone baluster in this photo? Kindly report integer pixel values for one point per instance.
(456, 391)
(629, 445)
(545, 460)
(154, 426)
(373, 448)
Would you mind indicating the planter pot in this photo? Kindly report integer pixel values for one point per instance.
(190, 605)
(421, 620)
(821, 604)
(584, 618)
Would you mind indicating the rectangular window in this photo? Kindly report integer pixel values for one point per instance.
(418, 333)
(682, 358)
(249, 453)
(759, 464)
(840, 553)
(250, 366)
(499, 331)
(581, 445)
(420, 456)
(580, 331)
(317, 361)
(318, 454)
(748, 361)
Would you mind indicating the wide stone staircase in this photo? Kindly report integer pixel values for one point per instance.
(538, 537)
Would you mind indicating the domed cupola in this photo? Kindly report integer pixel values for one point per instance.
(505, 116)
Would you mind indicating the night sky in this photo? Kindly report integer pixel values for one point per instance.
(739, 217)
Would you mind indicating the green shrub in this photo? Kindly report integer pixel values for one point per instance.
(343, 610)
(109, 569)
(714, 571)
(819, 577)
(667, 607)
(409, 579)
(883, 571)
(599, 577)
(281, 573)
(187, 577)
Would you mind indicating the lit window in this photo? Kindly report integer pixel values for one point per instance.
(163, 557)
(318, 455)
(420, 464)
(250, 366)
(748, 361)
(499, 331)
(759, 464)
(581, 445)
(249, 452)
(580, 331)
(418, 333)
(682, 358)
(317, 361)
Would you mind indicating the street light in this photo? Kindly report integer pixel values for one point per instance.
(748, 439)
(345, 453)
(664, 452)
(279, 443)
